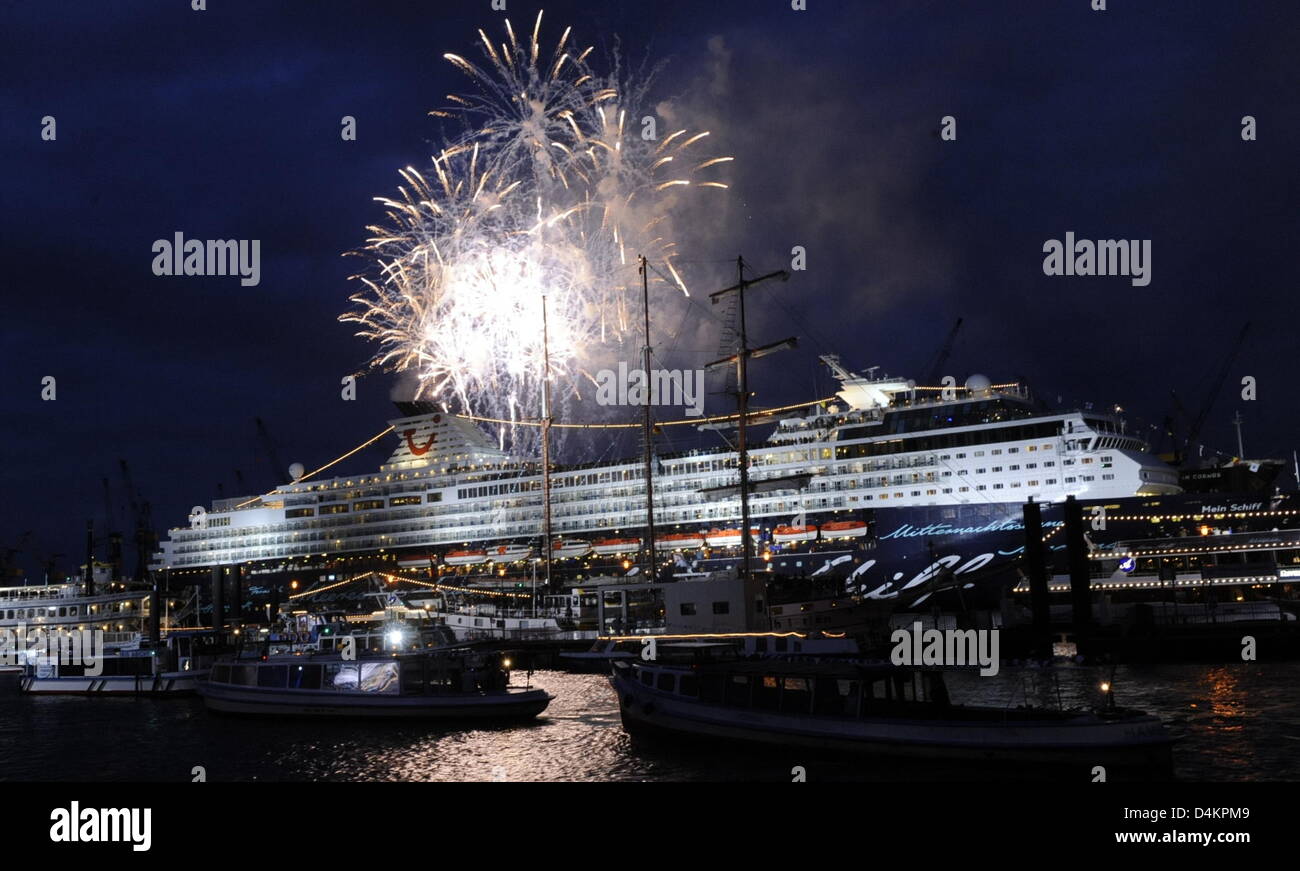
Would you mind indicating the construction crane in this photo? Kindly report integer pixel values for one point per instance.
(278, 469)
(1195, 431)
(934, 370)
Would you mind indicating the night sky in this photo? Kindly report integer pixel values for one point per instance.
(224, 124)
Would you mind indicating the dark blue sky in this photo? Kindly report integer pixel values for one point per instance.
(224, 124)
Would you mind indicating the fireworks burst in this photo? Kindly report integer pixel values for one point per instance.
(550, 191)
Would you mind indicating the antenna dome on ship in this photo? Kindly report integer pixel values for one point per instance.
(979, 385)
(296, 471)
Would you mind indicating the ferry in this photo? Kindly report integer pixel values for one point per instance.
(175, 667)
(457, 684)
(878, 710)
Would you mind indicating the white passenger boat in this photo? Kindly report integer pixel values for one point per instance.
(175, 667)
(451, 684)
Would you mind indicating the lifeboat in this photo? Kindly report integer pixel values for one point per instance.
(417, 561)
(566, 548)
(615, 546)
(728, 537)
(679, 541)
(792, 534)
(844, 529)
(465, 557)
(509, 553)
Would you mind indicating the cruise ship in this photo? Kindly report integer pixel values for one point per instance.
(835, 487)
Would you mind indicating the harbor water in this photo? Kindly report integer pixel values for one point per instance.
(1237, 722)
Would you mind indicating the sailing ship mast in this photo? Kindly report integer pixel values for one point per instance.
(741, 360)
(649, 429)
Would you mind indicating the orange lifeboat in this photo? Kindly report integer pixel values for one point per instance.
(792, 534)
(844, 529)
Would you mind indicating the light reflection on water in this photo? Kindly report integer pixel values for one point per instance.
(1238, 722)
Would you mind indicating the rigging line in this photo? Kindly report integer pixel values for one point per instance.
(686, 421)
(315, 472)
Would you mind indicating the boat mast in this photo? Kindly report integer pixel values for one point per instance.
(546, 447)
(1241, 451)
(649, 428)
(741, 359)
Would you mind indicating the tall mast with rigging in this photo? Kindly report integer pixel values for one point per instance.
(741, 361)
(649, 428)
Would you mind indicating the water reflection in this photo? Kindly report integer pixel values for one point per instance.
(1237, 722)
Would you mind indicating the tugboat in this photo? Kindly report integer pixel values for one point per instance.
(455, 684)
(876, 709)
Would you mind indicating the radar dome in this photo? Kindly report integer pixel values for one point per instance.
(979, 385)
(296, 471)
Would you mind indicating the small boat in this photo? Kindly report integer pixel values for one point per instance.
(509, 553)
(615, 546)
(567, 548)
(417, 561)
(728, 537)
(465, 557)
(453, 684)
(679, 541)
(870, 709)
(175, 667)
(844, 529)
(792, 534)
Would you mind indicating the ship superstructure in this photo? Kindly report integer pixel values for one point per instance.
(447, 489)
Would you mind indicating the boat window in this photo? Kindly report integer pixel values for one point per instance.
(379, 677)
(690, 685)
(667, 681)
(738, 690)
(272, 676)
(767, 693)
(244, 675)
(781, 645)
(340, 677)
(711, 686)
(647, 677)
(796, 696)
(305, 677)
(221, 674)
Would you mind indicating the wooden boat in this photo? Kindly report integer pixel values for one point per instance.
(870, 709)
